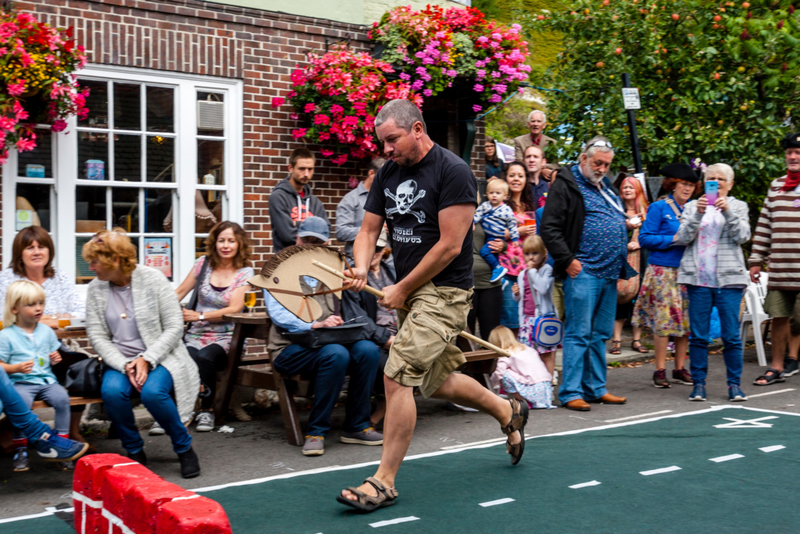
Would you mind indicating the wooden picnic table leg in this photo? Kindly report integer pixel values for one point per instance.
(231, 372)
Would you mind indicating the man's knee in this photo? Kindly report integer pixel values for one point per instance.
(366, 352)
(334, 356)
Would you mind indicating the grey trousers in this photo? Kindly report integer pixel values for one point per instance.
(53, 394)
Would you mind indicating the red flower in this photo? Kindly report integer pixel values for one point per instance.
(299, 133)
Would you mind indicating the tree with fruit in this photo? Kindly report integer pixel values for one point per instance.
(718, 81)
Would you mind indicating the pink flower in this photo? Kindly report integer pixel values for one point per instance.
(327, 153)
(340, 160)
(481, 74)
(336, 109)
(294, 116)
(495, 98)
(277, 102)
(476, 108)
(499, 88)
(16, 89)
(7, 124)
(24, 145)
(452, 73)
(59, 125)
(404, 76)
(427, 92)
(483, 39)
(299, 133)
(324, 120)
(324, 136)
(19, 111)
(309, 107)
(478, 87)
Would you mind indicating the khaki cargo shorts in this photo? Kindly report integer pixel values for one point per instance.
(422, 354)
(780, 303)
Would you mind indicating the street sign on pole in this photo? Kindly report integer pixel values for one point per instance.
(630, 95)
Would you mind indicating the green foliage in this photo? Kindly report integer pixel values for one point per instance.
(719, 89)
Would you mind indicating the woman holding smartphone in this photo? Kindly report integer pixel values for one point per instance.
(713, 228)
(222, 291)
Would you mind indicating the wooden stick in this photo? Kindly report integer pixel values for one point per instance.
(378, 293)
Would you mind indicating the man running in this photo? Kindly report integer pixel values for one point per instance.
(427, 195)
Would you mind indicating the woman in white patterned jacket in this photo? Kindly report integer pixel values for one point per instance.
(714, 273)
(135, 324)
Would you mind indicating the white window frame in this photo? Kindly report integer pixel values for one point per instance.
(66, 172)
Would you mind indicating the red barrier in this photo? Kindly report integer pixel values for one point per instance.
(113, 494)
(198, 515)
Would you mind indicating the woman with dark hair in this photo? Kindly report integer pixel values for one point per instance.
(134, 323)
(494, 167)
(520, 200)
(222, 290)
(32, 259)
(662, 304)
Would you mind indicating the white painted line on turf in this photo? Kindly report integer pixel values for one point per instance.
(770, 393)
(484, 442)
(637, 416)
(495, 503)
(659, 471)
(388, 522)
(585, 485)
(729, 457)
(772, 448)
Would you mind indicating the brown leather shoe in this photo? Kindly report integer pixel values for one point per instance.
(608, 398)
(579, 405)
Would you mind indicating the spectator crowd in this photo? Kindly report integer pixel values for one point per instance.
(550, 258)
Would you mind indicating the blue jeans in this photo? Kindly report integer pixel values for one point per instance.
(327, 367)
(116, 392)
(488, 256)
(20, 416)
(727, 301)
(509, 316)
(591, 304)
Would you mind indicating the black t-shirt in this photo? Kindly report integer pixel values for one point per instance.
(410, 198)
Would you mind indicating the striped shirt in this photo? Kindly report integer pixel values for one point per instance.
(777, 237)
(496, 220)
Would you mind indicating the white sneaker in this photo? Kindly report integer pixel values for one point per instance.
(205, 422)
(156, 429)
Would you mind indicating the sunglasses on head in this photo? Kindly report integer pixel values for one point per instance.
(600, 144)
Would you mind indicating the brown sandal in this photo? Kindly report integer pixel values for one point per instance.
(616, 347)
(370, 503)
(519, 418)
(636, 345)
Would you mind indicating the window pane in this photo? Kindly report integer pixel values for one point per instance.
(97, 102)
(127, 109)
(211, 114)
(207, 210)
(125, 208)
(158, 216)
(160, 109)
(90, 209)
(127, 158)
(83, 274)
(199, 246)
(160, 159)
(92, 155)
(33, 206)
(37, 163)
(210, 155)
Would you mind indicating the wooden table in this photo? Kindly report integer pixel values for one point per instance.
(254, 326)
(72, 333)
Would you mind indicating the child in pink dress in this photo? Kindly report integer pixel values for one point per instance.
(523, 375)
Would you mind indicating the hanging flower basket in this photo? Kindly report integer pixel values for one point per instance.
(38, 87)
(421, 54)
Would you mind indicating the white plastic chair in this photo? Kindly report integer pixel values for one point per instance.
(754, 314)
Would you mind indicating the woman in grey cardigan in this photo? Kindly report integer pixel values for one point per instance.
(714, 273)
(134, 323)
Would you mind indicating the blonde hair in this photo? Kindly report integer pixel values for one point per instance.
(21, 293)
(533, 244)
(505, 339)
(108, 245)
(501, 184)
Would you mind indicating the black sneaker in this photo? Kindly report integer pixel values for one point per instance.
(21, 460)
(54, 448)
(790, 367)
(190, 464)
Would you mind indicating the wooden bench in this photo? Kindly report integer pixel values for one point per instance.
(73, 401)
(238, 371)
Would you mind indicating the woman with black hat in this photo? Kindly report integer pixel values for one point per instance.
(662, 304)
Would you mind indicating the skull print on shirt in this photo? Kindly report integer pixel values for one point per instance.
(407, 194)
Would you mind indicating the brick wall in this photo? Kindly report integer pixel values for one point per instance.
(259, 47)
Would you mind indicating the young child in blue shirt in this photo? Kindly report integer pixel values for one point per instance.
(495, 216)
(27, 351)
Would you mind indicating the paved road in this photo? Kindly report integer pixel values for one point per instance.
(258, 449)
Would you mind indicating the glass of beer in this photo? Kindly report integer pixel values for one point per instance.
(250, 300)
(63, 322)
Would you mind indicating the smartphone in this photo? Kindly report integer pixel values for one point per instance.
(712, 192)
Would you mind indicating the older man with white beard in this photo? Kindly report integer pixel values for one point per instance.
(584, 230)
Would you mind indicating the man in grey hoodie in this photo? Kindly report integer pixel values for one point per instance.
(292, 202)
